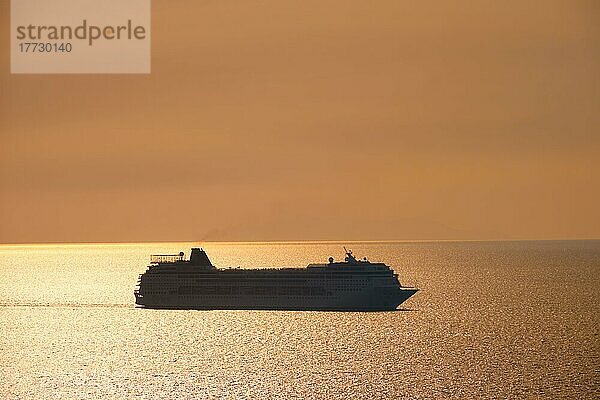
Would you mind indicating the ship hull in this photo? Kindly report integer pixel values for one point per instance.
(376, 299)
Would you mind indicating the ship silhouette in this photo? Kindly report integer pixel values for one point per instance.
(173, 282)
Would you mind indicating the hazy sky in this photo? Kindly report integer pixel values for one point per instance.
(275, 120)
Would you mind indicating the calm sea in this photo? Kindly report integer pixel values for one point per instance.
(493, 320)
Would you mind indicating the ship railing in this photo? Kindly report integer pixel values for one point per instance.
(165, 258)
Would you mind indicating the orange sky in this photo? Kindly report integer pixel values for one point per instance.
(278, 120)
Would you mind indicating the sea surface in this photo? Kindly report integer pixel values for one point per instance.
(492, 320)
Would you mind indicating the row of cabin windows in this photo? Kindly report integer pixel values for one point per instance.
(304, 277)
(272, 288)
(254, 283)
(273, 297)
(255, 293)
(221, 297)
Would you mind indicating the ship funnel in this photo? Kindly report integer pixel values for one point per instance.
(199, 258)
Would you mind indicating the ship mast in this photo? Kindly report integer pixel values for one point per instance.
(349, 257)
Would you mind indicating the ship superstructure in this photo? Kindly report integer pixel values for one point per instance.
(171, 281)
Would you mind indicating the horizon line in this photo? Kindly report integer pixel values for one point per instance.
(295, 241)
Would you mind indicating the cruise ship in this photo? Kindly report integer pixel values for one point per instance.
(171, 281)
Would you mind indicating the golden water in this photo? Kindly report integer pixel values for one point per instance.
(493, 320)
